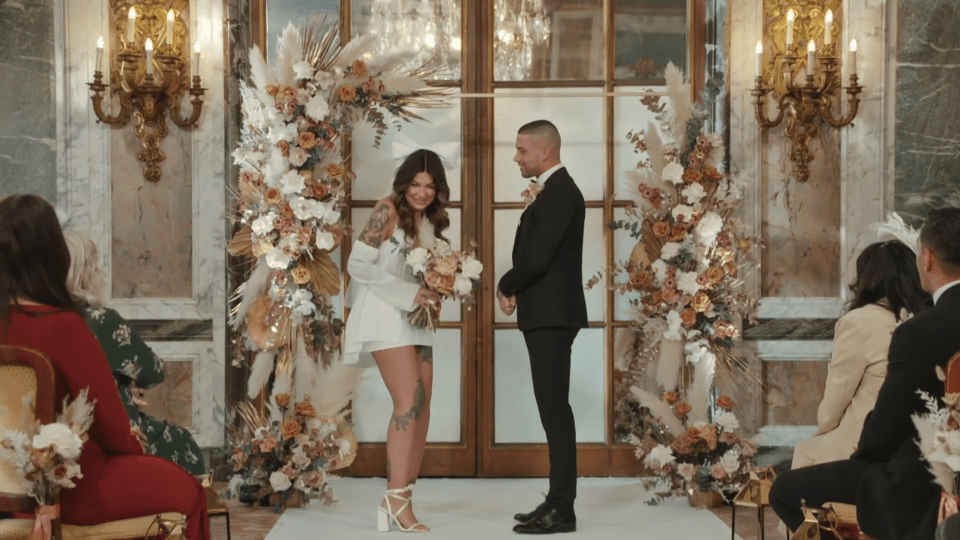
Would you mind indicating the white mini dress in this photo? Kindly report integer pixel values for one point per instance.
(381, 294)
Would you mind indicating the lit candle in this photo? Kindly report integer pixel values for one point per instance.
(853, 57)
(99, 52)
(131, 19)
(196, 59)
(790, 16)
(759, 57)
(169, 39)
(828, 20)
(148, 46)
(811, 55)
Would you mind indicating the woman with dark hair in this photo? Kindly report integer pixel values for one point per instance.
(36, 311)
(886, 292)
(382, 292)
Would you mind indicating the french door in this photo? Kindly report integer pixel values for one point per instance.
(586, 75)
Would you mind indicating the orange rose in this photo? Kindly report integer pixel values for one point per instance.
(714, 275)
(681, 445)
(307, 177)
(712, 173)
(692, 433)
(272, 89)
(273, 196)
(287, 93)
(639, 279)
(661, 229)
(286, 211)
(284, 148)
(670, 397)
(724, 402)
(268, 444)
(359, 68)
(730, 269)
(301, 275)
(304, 408)
(334, 170)
(678, 233)
(319, 190)
(282, 399)
(743, 244)
(700, 302)
(692, 175)
(346, 93)
(681, 408)
(306, 140)
(656, 298)
(290, 429)
(688, 318)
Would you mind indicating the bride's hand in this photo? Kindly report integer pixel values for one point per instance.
(426, 297)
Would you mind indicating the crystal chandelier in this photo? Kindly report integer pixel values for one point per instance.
(425, 29)
(520, 27)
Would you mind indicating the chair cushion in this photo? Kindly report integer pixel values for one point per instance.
(124, 529)
(18, 389)
(15, 529)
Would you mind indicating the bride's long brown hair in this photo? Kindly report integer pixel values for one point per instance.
(429, 162)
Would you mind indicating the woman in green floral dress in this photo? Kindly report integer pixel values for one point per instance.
(135, 366)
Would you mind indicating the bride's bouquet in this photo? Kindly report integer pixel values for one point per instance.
(449, 273)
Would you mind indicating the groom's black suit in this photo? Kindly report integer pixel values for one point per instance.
(547, 279)
(896, 497)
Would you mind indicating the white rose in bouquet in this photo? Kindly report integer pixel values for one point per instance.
(668, 251)
(673, 172)
(728, 421)
(472, 267)
(64, 441)
(658, 457)
(417, 259)
(463, 285)
(325, 240)
(687, 282)
(730, 461)
(279, 481)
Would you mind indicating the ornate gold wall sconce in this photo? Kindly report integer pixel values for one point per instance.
(148, 74)
(807, 103)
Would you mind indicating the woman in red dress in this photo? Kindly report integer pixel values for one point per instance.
(36, 311)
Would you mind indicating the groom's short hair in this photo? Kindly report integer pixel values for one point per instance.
(543, 130)
(941, 235)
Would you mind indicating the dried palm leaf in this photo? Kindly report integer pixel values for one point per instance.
(324, 274)
(241, 244)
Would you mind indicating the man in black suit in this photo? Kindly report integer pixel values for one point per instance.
(886, 476)
(545, 285)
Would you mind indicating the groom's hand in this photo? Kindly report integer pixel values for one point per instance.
(507, 304)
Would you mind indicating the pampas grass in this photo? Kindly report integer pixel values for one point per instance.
(669, 364)
(699, 396)
(679, 92)
(335, 388)
(289, 52)
(655, 149)
(248, 293)
(305, 367)
(260, 373)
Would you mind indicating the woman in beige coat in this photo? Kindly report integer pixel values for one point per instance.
(885, 292)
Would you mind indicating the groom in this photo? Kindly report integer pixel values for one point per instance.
(546, 285)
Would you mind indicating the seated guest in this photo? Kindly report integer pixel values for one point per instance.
(885, 292)
(135, 366)
(36, 311)
(886, 477)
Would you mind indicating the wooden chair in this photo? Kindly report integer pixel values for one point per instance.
(24, 374)
(215, 505)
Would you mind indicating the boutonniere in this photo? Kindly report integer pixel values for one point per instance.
(530, 194)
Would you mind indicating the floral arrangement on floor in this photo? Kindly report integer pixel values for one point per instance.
(684, 275)
(694, 457)
(287, 460)
(449, 273)
(293, 180)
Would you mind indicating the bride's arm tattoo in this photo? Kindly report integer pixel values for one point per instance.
(372, 233)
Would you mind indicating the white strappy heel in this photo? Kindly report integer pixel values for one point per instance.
(386, 516)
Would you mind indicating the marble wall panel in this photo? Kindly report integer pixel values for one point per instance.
(28, 138)
(927, 107)
(792, 392)
(172, 400)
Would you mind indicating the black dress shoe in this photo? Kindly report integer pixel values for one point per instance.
(530, 516)
(552, 521)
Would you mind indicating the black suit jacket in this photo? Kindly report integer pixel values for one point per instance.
(547, 273)
(897, 497)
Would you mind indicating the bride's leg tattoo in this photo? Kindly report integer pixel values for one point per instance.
(425, 353)
(419, 402)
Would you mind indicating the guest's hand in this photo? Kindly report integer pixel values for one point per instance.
(141, 438)
(137, 394)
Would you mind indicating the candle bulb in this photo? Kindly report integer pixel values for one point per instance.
(790, 16)
(99, 52)
(131, 19)
(811, 56)
(196, 59)
(148, 46)
(828, 25)
(169, 40)
(759, 57)
(853, 57)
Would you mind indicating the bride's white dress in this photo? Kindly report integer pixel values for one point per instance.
(381, 294)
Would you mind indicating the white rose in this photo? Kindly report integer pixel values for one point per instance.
(320, 210)
(673, 172)
(324, 80)
(728, 421)
(317, 108)
(279, 481)
(264, 224)
(658, 457)
(302, 207)
(463, 285)
(282, 132)
(730, 462)
(660, 268)
(277, 259)
(325, 240)
(687, 282)
(669, 251)
(694, 192)
(684, 210)
(291, 182)
(65, 442)
(472, 267)
(709, 227)
(674, 322)
(417, 259)
(298, 156)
